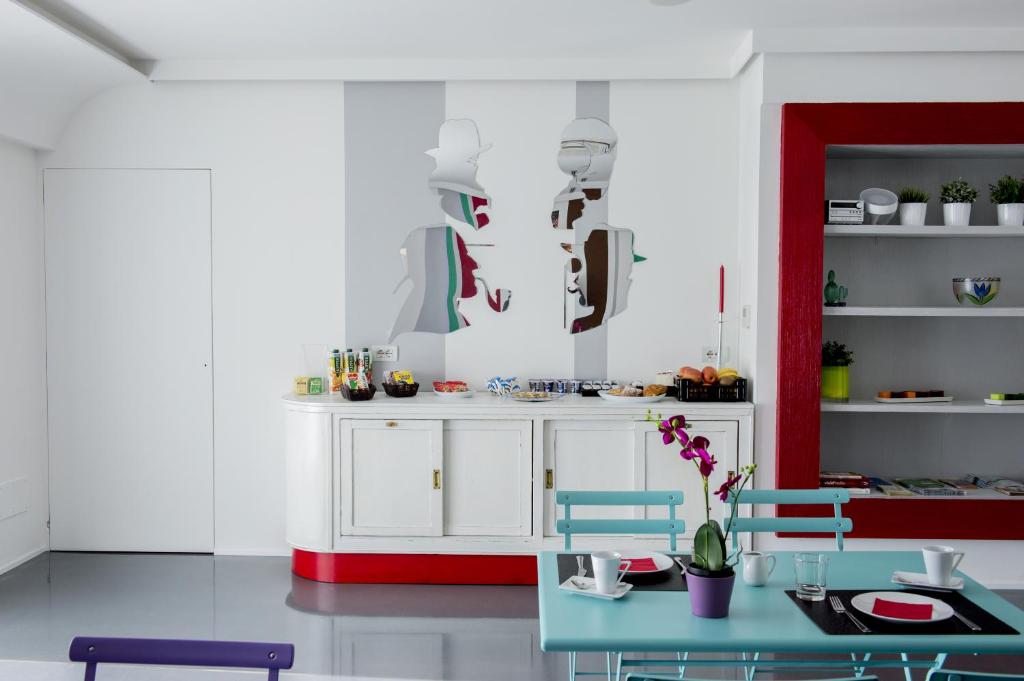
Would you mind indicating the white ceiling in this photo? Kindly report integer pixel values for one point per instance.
(50, 63)
(332, 29)
(46, 73)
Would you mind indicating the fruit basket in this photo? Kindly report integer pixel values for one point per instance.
(400, 389)
(358, 395)
(692, 391)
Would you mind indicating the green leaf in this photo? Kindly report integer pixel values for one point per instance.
(709, 547)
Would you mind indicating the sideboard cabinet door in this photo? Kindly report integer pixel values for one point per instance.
(488, 476)
(391, 477)
(664, 469)
(589, 455)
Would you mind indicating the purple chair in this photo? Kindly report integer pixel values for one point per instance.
(92, 650)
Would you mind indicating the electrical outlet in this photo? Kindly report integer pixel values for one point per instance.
(709, 355)
(745, 316)
(385, 353)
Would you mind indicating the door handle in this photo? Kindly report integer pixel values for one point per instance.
(437, 478)
(549, 479)
(391, 424)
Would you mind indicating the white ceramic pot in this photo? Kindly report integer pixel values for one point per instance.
(956, 214)
(912, 214)
(1010, 214)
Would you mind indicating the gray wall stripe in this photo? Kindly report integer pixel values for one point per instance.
(388, 126)
(590, 348)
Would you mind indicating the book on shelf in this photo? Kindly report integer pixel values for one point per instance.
(890, 489)
(959, 483)
(846, 480)
(1007, 486)
(930, 487)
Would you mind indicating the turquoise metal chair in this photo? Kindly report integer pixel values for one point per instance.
(950, 675)
(569, 526)
(836, 525)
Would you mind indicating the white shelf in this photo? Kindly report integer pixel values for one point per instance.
(923, 151)
(908, 232)
(954, 407)
(947, 311)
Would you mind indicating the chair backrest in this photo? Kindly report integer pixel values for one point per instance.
(837, 524)
(568, 526)
(950, 675)
(92, 650)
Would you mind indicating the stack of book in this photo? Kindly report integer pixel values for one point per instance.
(1007, 486)
(848, 480)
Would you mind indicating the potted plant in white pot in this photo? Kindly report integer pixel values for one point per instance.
(1008, 195)
(913, 206)
(957, 197)
(710, 575)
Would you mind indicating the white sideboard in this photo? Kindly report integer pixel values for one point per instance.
(478, 475)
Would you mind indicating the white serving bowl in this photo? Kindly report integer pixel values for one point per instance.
(880, 204)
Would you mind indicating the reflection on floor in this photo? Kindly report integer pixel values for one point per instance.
(461, 633)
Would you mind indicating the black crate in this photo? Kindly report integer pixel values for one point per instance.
(691, 391)
(358, 395)
(400, 389)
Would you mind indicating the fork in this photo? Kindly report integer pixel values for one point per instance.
(970, 625)
(838, 606)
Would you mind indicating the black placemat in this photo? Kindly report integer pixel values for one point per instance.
(831, 622)
(666, 580)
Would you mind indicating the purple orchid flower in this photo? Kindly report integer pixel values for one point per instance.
(672, 429)
(723, 491)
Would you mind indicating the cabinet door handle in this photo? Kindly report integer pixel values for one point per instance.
(437, 478)
(391, 424)
(549, 479)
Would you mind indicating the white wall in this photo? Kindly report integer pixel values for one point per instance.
(847, 78)
(22, 355)
(276, 153)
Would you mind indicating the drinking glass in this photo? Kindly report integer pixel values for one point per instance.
(811, 570)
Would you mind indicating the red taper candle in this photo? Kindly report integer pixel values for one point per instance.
(721, 289)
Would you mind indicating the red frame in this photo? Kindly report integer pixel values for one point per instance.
(807, 129)
(420, 568)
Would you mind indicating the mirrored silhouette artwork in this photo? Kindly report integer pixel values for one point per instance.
(598, 275)
(454, 177)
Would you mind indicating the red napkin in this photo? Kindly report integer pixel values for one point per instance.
(906, 611)
(639, 564)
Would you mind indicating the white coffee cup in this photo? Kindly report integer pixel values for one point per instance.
(939, 563)
(607, 575)
(757, 567)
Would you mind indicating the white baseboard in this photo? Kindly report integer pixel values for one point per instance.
(24, 558)
(274, 552)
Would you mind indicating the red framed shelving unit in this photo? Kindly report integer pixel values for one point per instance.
(807, 131)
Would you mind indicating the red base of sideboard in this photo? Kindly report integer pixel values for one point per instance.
(426, 568)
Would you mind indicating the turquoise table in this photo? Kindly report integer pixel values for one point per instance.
(760, 618)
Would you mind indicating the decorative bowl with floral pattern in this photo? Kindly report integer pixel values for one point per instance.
(975, 290)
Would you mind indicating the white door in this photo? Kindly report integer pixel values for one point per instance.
(589, 455)
(129, 359)
(487, 478)
(391, 477)
(664, 469)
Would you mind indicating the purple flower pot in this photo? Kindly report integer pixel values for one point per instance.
(710, 596)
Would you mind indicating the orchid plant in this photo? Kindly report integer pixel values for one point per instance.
(709, 552)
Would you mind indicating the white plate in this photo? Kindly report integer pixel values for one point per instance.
(864, 603)
(584, 586)
(454, 396)
(1003, 403)
(603, 394)
(919, 580)
(550, 397)
(661, 561)
(912, 400)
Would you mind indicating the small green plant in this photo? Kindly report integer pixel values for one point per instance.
(958, 191)
(835, 354)
(1007, 189)
(913, 195)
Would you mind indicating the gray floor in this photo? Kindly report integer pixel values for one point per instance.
(461, 633)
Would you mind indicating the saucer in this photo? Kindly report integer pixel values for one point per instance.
(919, 580)
(584, 586)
